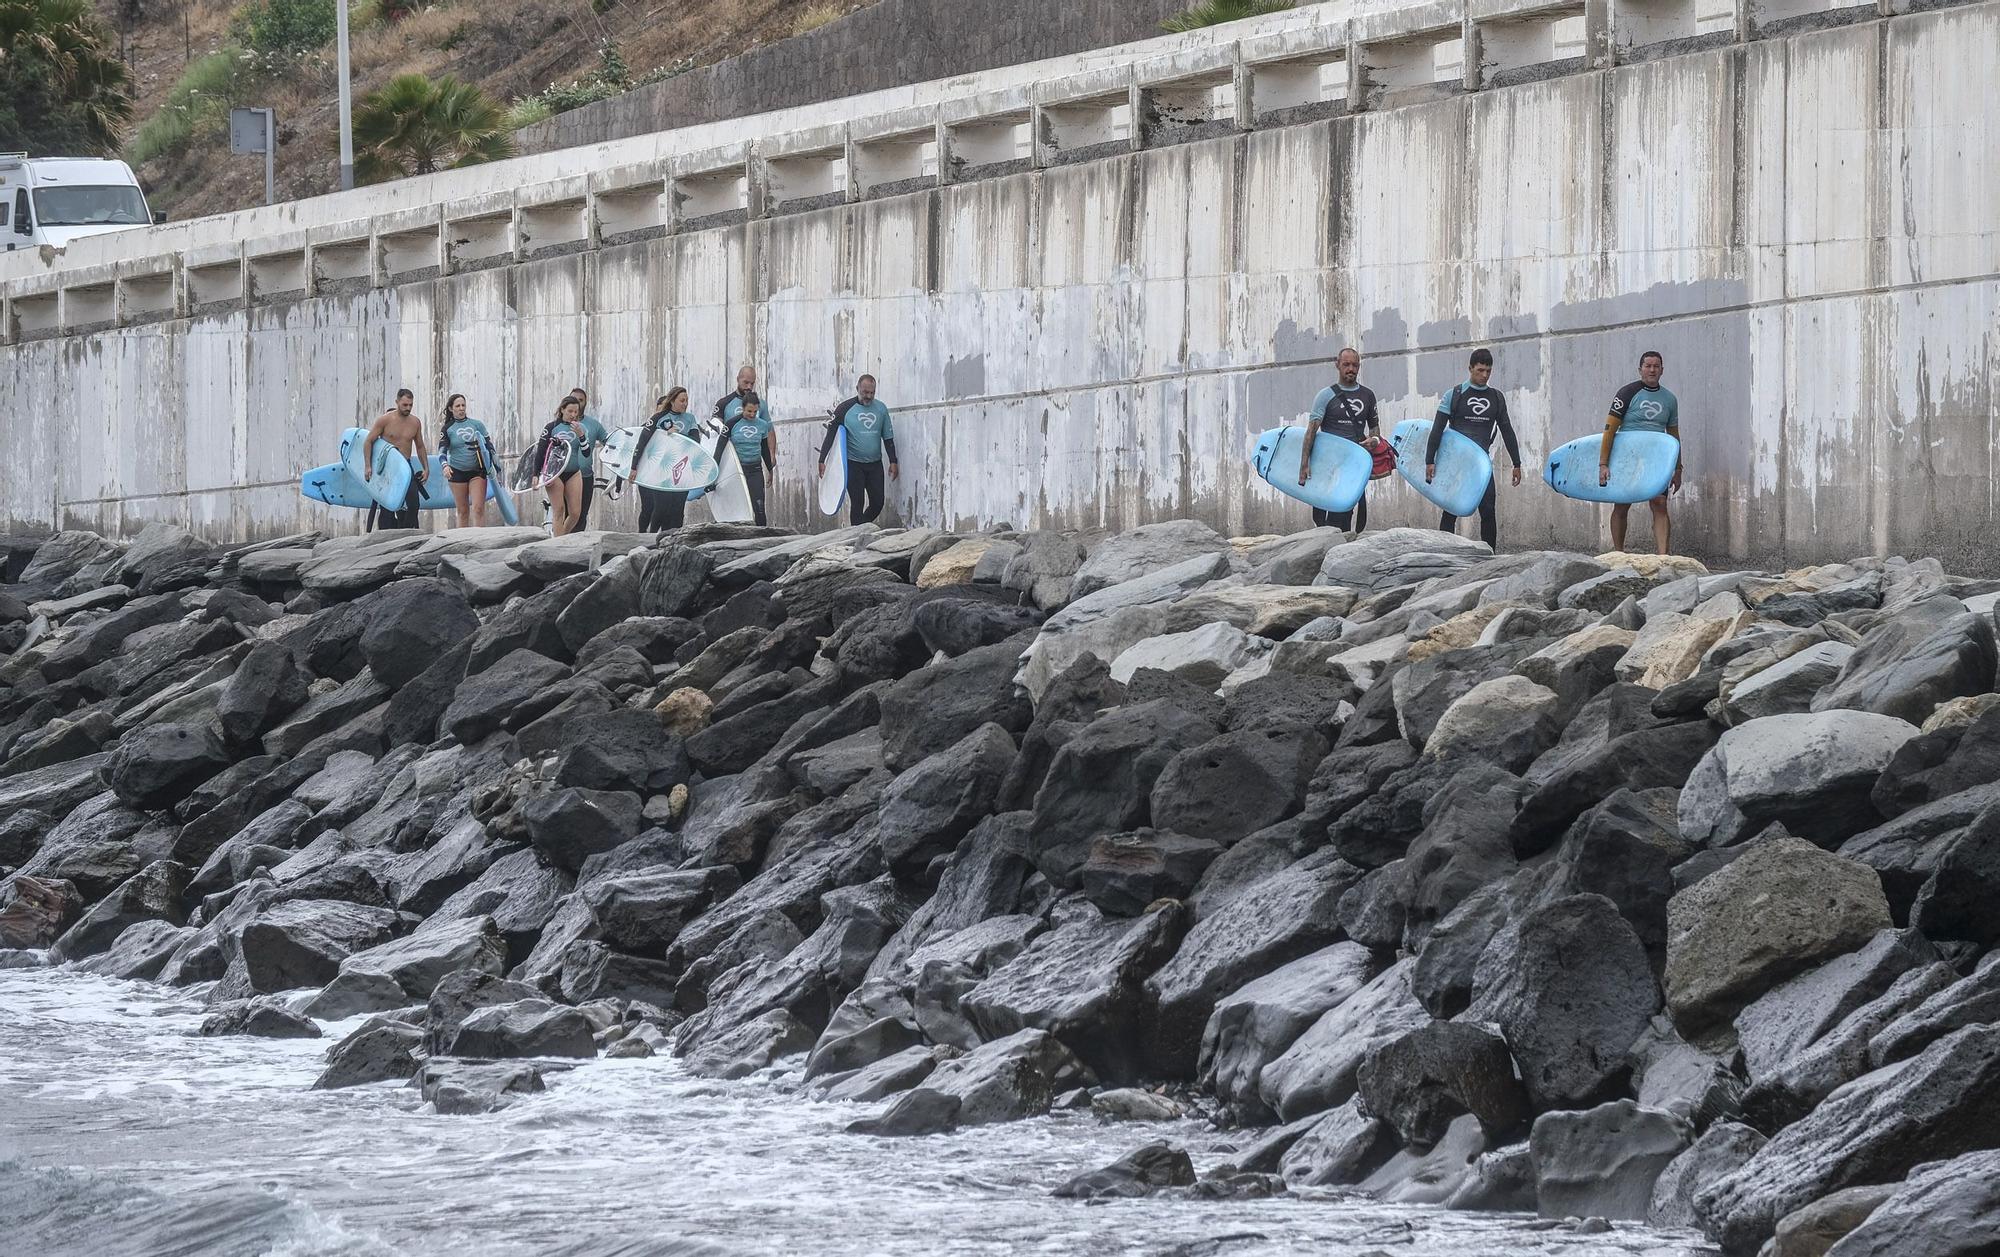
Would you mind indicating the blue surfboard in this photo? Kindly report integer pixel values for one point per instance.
(497, 491)
(1642, 467)
(1463, 469)
(1339, 474)
(389, 481)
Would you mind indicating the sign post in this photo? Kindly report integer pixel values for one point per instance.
(256, 131)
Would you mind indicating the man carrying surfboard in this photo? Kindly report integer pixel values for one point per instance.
(405, 433)
(869, 432)
(1642, 406)
(1474, 409)
(1346, 409)
(752, 443)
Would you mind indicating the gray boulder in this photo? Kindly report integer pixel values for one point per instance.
(1238, 783)
(1812, 773)
(930, 807)
(571, 825)
(261, 1018)
(1420, 1081)
(1721, 1151)
(157, 766)
(1258, 1022)
(377, 1052)
(529, 1027)
(1603, 1162)
(1320, 1070)
(417, 963)
(1127, 872)
(1792, 1016)
(466, 1088)
(1338, 1148)
(1909, 680)
(1571, 988)
(152, 894)
(1141, 1172)
(1101, 781)
(1944, 1209)
(267, 686)
(1780, 909)
(1397, 557)
(1008, 1079)
(1143, 551)
(1943, 1103)
(1785, 687)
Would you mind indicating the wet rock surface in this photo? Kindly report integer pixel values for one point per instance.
(1591, 886)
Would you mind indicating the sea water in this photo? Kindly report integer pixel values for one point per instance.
(123, 1133)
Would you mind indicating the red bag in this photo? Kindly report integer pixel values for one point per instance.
(1385, 459)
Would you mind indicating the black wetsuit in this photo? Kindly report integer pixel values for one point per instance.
(866, 487)
(1475, 411)
(1350, 413)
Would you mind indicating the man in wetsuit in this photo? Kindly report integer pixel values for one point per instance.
(1345, 409)
(1642, 406)
(405, 432)
(594, 435)
(869, 433)
(1474, 409)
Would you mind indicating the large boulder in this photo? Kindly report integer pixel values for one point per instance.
(569, 826)
(529, 1027)
(417, 963)
(1780, 1024)
(152, 894)
(934, 707)
(1203, 656)
(159, 765)
(1603, 1162)
(1101, 781)
(1721, 1151)
(1571, 988)
(1941, 1104)
(267, 686)
(1255, 1024)
(1287, 915)
(1104, 623)
(625, 749)
(1234, 785)
(302, 942)
(1397, 557)
(1321, 1068)
(929, 808)
(1008, 1078)
(1143, 551)
(377, 1052)
(1127, 873)
(1944, 1209)
(493, 695)
(1786, 686)
(1811, 772)
(1907, 679)
(1508, 720)
(1781, 908)
(1957, 900)
(410, 623)
(1140, 1172)
(1084, 982)
(1420, 1081)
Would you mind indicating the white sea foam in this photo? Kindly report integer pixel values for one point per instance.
(124, 1132)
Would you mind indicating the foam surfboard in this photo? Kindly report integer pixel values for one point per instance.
(389, 485)
(497, 491)
(560, 458)
(1642, 467)
(1339, 474)
(675, 464)
(833, 485)
(436, 489)
(333, 486)
(614, 457)
(729, 501)
(1463, 469)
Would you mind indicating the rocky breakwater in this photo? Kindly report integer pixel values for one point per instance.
(1608, 887)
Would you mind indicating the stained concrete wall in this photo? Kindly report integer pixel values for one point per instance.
(888, 43)
(1802, 224)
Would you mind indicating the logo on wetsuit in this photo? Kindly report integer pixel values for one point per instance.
(1651, 409)
(1477, 405)
(1354, 406)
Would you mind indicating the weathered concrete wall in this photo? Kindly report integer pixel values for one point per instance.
(1802, 224)
(885, 45)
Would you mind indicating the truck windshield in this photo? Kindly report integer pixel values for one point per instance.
(108, 205)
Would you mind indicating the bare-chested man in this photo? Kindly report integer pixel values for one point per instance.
(402, 429)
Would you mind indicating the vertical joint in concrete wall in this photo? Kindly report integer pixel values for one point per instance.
(35, 315)
(1515, 47)
(1597, 48)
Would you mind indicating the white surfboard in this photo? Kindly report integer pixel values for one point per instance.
(614, 457)
(674, 463)
(729, 501)
(833, 484)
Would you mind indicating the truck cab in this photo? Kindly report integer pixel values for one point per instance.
(54, 200)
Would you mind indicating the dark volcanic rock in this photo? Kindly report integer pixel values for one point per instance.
(1419, 1082)
(373, 1053)
(1141, 1172)
(1126, 872)
(261, 1018)
(624, 749)
(152, 894)
(932, 708)
(1603, 1162)
(1571, 989)
(1238, 783)
(156, 767)
(493, 695)
(569, 826)
(1944, 1209)
(1102, 780)
(412, 622)
(529, 1027)
(931, 806)
(267, 686)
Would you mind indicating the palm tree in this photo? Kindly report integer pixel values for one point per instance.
(415, 125)
(58, 77)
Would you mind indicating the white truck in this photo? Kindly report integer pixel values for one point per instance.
(54, 200)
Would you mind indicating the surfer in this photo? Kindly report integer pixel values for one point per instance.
(661, 509)
(869, 432)
(730, 404)
(753, 443)
(463, 443)
(593, 435)
(1642, 406)
(405, 433)
(1345, 409)
(566, 491)
(1474, 409)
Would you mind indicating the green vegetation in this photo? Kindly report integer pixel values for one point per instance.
(416, 125)
(1216, 12)
(62, 87)
(285, 27)
(611, 77)
(197, 107)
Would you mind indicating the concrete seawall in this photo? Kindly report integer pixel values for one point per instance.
(1083, 326)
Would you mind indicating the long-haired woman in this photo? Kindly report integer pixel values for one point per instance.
(661, 509)
(464, 442)
(565, 490)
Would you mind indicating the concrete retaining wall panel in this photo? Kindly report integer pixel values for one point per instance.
(1834, 179)
(1940, 213)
